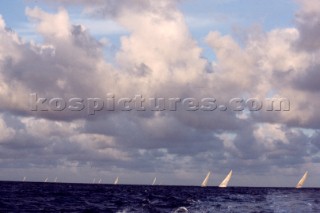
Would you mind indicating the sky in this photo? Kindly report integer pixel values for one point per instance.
(74, 76)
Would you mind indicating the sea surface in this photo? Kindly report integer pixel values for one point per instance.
(58, 197)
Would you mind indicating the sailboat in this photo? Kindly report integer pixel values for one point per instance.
(116, 181)
(154, 181)
(205, 181)
(225, 182)
(302, 180)
(99, 181)
(24, 179)
(55, 180)
(46, 180)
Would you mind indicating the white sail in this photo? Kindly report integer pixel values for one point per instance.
(99, 181)
(24, 179)
(154, 181)
(46, 180)
(55, 180)
(205, 181)
(225, 182)
(116, 181)
(302, 180)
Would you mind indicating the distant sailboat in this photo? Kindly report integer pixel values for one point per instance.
(116, 181)
(302, 180)
(225, 182)
(55, 180)
(24, 179)
(205, 181)
(46, 180)
(154, 181)
(99, 181)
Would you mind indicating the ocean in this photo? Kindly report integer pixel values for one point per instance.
(65, 197)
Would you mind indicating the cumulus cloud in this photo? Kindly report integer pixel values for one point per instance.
(158, 57)
(56, 25)
(6, 132)
(112, 8)
(308, 24)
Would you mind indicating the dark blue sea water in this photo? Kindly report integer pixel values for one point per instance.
(57, 197)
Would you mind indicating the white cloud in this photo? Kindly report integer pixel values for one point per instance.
(99, 27)
(2, 23)
(157, 56)
(6, 133)
(56, 25)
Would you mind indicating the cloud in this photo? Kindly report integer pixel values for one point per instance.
(113, 8)
(2, 23)
(55, 25)
(6, 132)
(98, 27)
(308, 24)
(157, 57)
